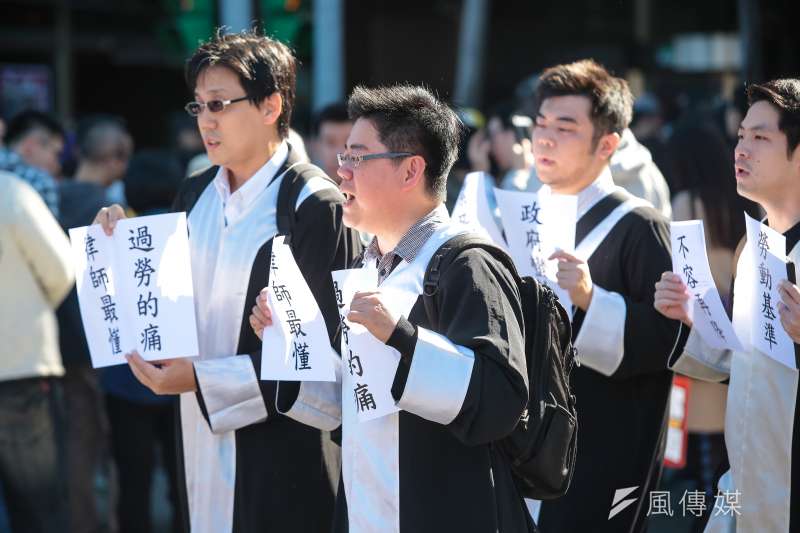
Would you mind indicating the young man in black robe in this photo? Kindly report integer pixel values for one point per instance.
(762, 425)
(459, 385)
(247, 468)
(622, 246)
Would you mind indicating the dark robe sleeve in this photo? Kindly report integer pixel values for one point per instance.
(320, 244)
(622, 335)
(470, 374)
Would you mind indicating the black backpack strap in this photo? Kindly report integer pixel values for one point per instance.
(295, 179)
(191, 189)
(444, 257)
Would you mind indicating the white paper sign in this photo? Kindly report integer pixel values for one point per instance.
(472, 208)
(297, 346)
(135, 289)
(690, 261)
(768, 260)
(368, 365)
(536, 225)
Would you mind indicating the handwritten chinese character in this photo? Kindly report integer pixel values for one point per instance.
(765, 278)
(338, 293)
(294, 323)
(273, 265)
(769, 334)
(143, 271)
(702, 303)
(364, 399)
(766, 306)
(281, 293)
(539, 266)
(354, 363)
(98, 277)
(151, 340)
(345, 328)
(113, 339)
(150, 305)
(717, 329)
(763, 244)
(533, 239)
(89, 247)
(300, 355)
(141, 240)
(682, 249)
(109, 308)
(530, 213)
(688, 271)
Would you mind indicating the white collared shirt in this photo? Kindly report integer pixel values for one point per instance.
(236, 204)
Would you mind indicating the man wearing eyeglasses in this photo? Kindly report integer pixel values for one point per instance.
(461, 380)
(247, 468)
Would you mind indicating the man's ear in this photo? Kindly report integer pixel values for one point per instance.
(414, 172)
(608, 144)
(271, 108)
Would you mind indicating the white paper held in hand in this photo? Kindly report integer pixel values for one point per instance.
(767, 250)
(690, 262)
(537, 225)
(135, 289)
(296, 347)
(472, 208)
(368, 365)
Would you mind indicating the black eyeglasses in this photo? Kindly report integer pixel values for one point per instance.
(215, 106)
(352, 161)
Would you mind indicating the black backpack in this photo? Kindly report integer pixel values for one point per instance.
(542, 447)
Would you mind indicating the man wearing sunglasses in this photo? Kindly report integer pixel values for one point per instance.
(247, 468)
(461, 381)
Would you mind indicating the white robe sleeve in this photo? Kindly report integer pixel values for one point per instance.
(601, 341)
(317, 404)
(230, 392)
(701, 361)
(438, 379)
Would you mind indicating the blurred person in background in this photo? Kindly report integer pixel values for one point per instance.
(472, 120)
(104, 148)
(329, 131)
(35, 275)
(142, 423)
(702, 169)
(33, 144)
(503, 149)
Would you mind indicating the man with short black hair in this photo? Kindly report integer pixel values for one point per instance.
(247, 467)
(329, 131)
(762, 421)
(622, 384)
(461, 381)
(33, 145)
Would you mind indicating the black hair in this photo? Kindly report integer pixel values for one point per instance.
(410, 118)
(28, 121)
(784, 95)
(264, 66)
(610, 97)
(701, 163)
(336, 112)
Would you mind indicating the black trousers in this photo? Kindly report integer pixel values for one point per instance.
(138, 433)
